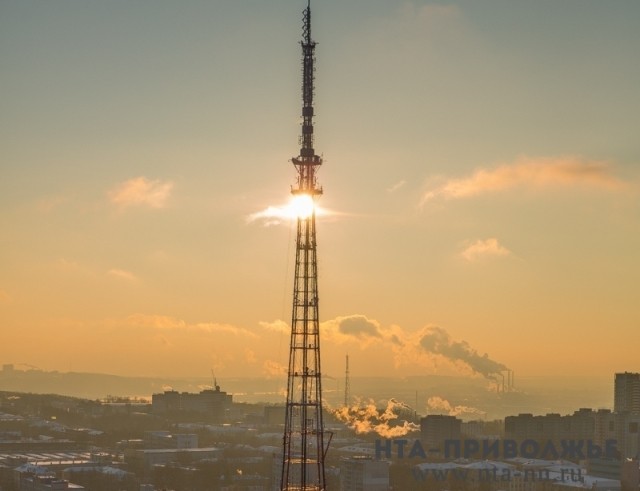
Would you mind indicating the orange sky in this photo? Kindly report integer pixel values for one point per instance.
(480, 179)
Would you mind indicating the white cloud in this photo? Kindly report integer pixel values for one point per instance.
(396, 186)
(285, 214)
(273, 368)
(73, 267)
(483, 248)
(250, 356)
(529, 173)
(217, 327)
(4, 296)
(122, 274)
(165, 322)
(272, 215)
(67, 264)
(155, 321)
(276, 326)
(140, 191)
(49, 203)
(353, 328)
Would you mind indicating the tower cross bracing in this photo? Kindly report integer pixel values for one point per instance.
(304, 446)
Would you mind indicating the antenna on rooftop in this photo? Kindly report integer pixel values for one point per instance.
(215, 387)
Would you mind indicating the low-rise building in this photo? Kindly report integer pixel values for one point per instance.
(364, 473)
(210, 405)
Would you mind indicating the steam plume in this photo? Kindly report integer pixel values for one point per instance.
(425, 346)
(437, 341)
(367, 418)
(437, 403)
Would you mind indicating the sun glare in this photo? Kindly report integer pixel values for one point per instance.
(301, 206)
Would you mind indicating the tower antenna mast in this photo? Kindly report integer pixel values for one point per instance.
(347, 384)
(304, 446)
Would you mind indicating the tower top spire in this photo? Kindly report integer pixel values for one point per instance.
(307, 162)
(307, 24)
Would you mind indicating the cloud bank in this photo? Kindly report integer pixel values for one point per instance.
(164, 322)
(140, 191)
(4, 296)
(122, 274)
(362, 329)
(484, 248)
(529, 173)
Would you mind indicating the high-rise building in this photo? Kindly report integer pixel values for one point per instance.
(628, 434)
(435, 429)
(581, 425)
(626, 393)
(604, 427)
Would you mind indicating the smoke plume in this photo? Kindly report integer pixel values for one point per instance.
(367, 418)
(426, 346)
(437, 341)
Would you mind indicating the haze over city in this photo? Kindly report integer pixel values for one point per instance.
(481, 192)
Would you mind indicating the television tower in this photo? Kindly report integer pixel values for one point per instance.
(304, 447)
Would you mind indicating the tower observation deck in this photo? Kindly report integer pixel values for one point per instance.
(304, 446)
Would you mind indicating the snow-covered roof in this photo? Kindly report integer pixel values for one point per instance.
(112, 471)
(489, 465)
(427, 466)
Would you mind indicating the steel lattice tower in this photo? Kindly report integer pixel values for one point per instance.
(304, 443)
(347, 384)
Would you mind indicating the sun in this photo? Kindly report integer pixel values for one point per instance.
(301, 206)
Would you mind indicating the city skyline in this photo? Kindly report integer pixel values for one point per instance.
(481, 203)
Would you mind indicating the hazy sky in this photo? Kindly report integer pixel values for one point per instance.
(481, 178)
